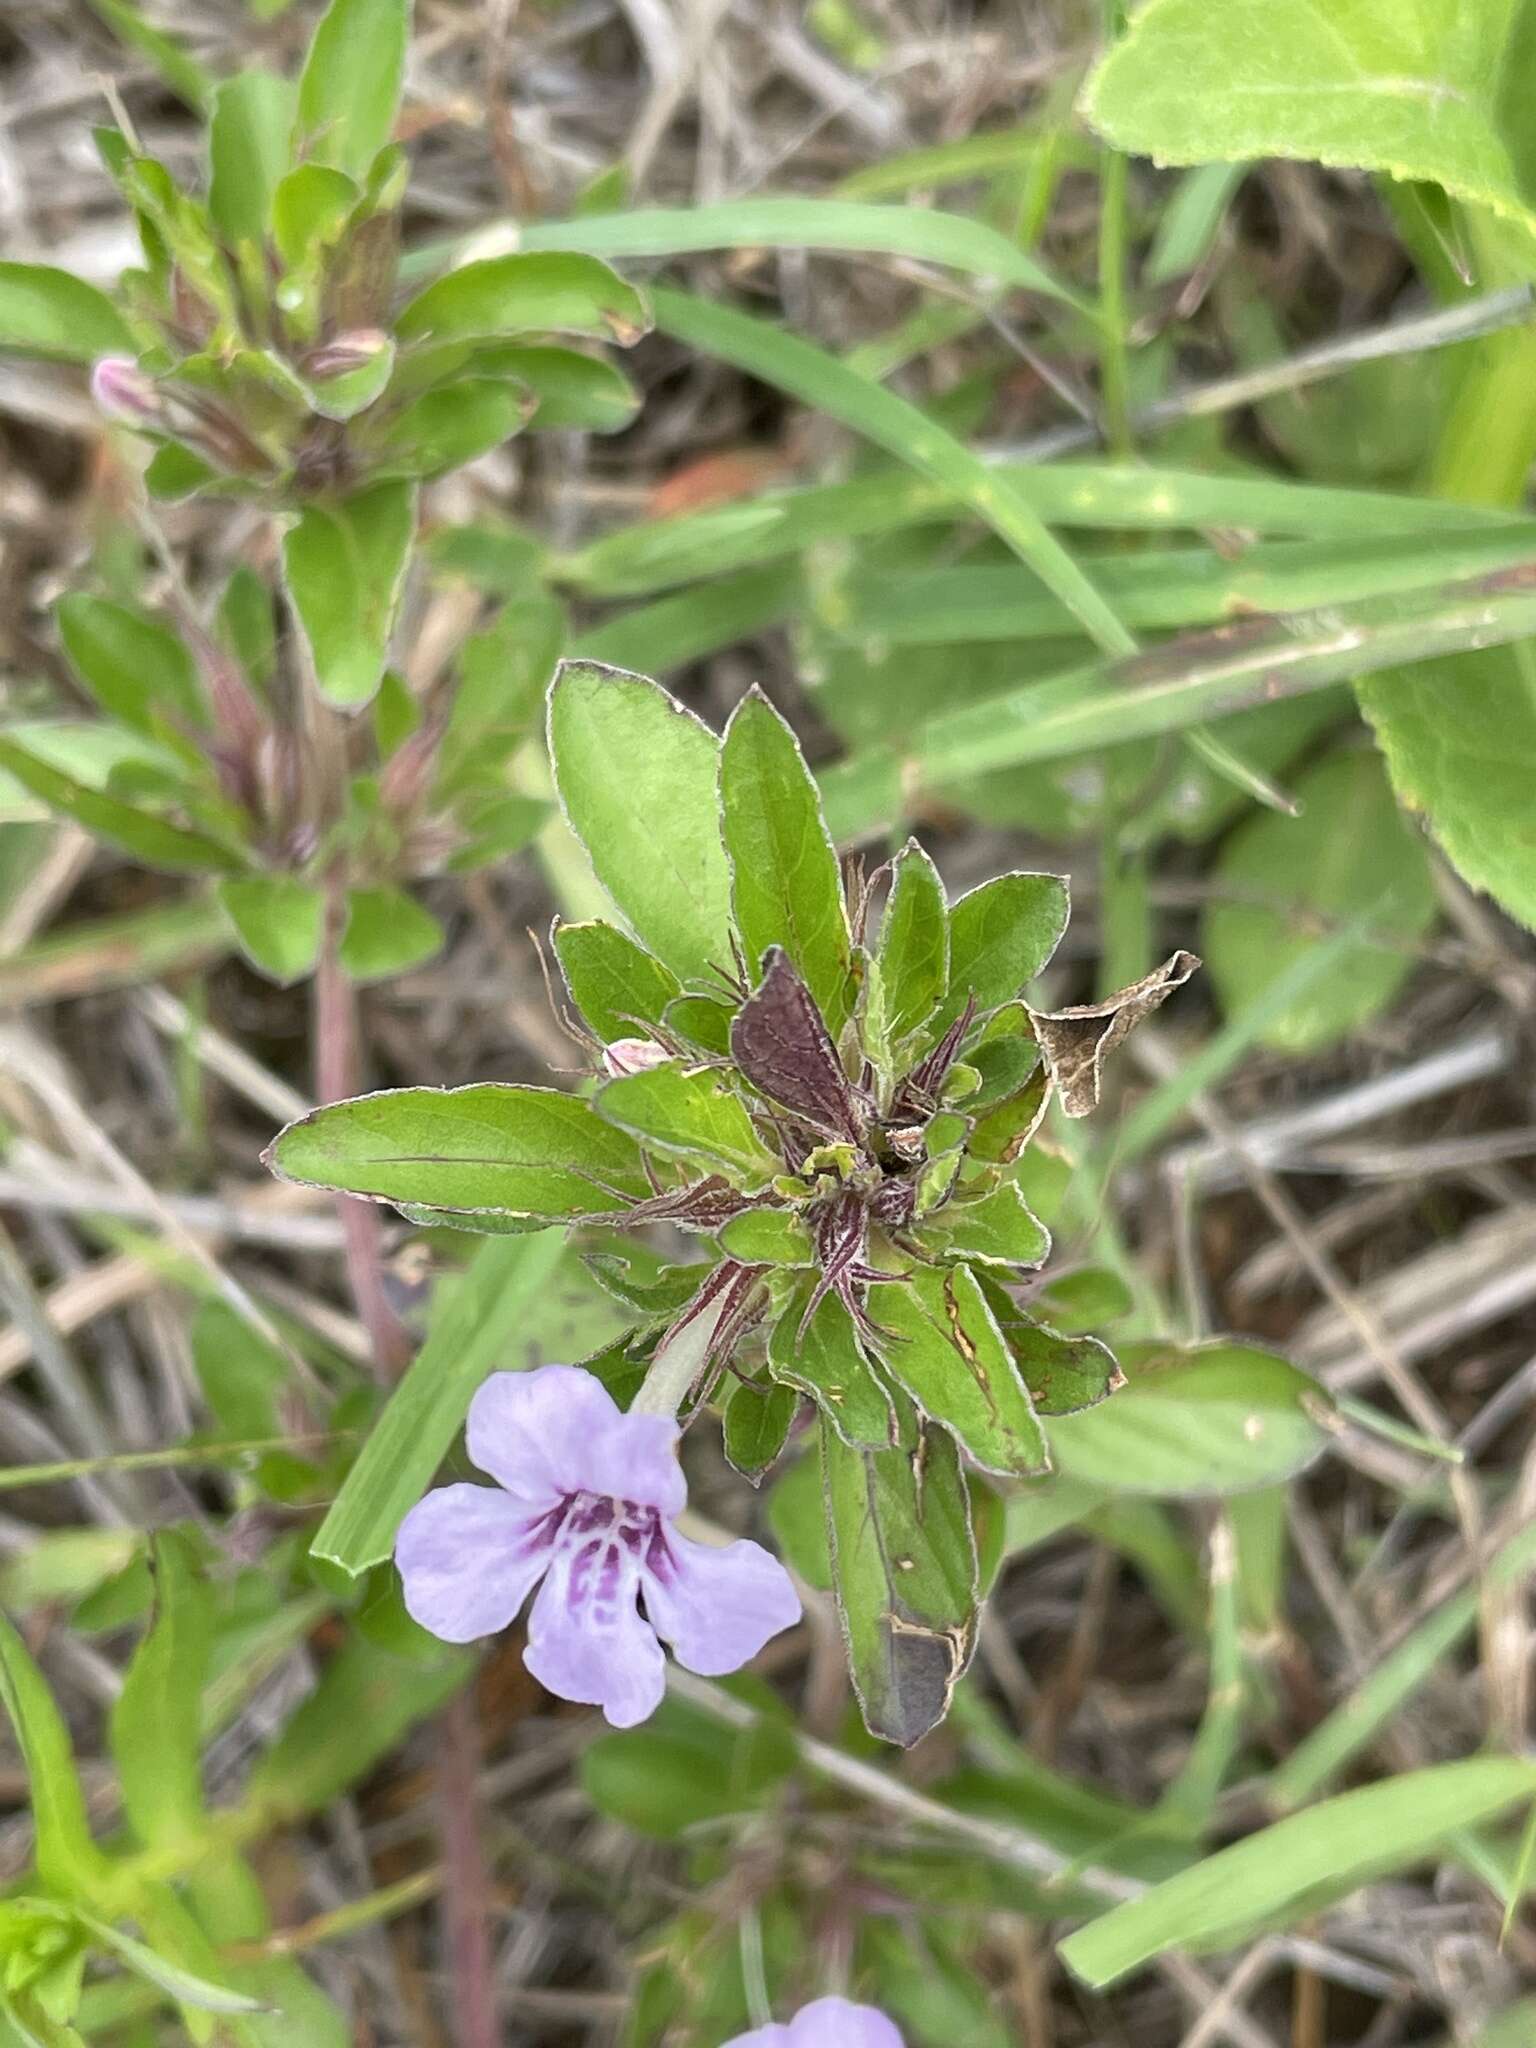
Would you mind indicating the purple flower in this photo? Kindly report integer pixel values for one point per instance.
(584, 1500)
(829, 2023)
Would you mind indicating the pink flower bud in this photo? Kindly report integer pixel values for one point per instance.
(123, 392)
(633, 1056)
(351, 351)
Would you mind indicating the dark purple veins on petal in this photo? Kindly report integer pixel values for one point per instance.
(781, 1044)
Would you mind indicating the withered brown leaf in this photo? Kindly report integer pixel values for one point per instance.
(1076, 1042)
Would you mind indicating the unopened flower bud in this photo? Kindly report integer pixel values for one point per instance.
(346, 352)
(123, 392)
(633, 1056)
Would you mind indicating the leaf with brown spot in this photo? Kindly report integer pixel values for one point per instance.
(1077, 1041)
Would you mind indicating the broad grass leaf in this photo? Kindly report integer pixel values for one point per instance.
(1429, 91)
(1284, 1873)
(1350, 857)
(1459, 737)
(638, 777)
(475, 1327)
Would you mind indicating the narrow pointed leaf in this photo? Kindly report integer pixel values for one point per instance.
(785, 883)
(146, 836)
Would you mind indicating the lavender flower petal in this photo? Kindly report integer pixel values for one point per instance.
(468, 1557)
(829, 2023)
(547, 1434)
(586, 1640)
(717, 1607)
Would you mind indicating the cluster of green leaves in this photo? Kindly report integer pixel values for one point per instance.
(196, 768)
(270, 353)
(840, 1122)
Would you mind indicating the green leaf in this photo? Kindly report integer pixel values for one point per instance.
(310, 207)
(157, 1717)
(1418, 92)
(388, 932)
(345, 564)
(652, 831)
(1285, 1873)
(674, 1110)
(185, 1986)
(785, 882)
(757, 1421)
(248, 152)
(1217, 1418)
(793, 221)
(904, 1564)
(486, 1148)
(68, 1860)
(148, 838)
(828, 1363)
(475, 1328)
(444, 429)
(998, 1230)
(1459, 736)
(618, 987)
(278, 921)
(913, 955)
(137, 670)
(526, 294)
(365, 1703)
(1348, 859)
(349, 91)
(820, 380)
(569, 389)
(1000, 936)
(767, 1237)
(947, 1351)
(682, 1769)
(46, 312)
(1063, 1374)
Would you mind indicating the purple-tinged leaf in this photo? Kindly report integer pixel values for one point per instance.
(782, 1046)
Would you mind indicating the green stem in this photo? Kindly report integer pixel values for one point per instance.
(680, 1358)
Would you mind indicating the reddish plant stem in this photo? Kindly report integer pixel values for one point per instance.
(466, 1879)
(337, 1069)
